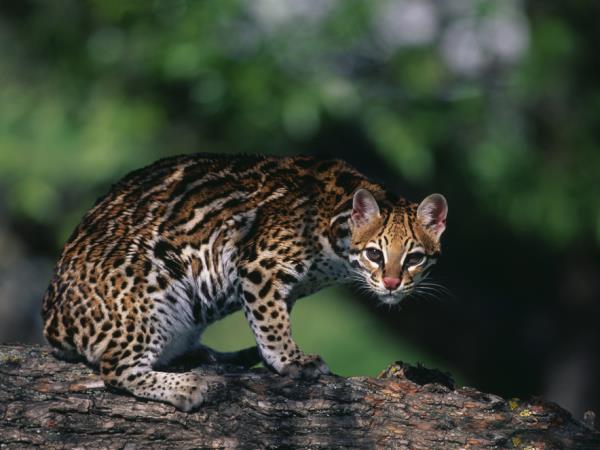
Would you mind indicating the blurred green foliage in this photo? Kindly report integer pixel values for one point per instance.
(331, 324)
(123, 82)
(486, 93)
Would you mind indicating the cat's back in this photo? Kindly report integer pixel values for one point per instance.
(183, 199)
(162, 197)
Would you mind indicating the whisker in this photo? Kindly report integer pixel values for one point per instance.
(441, 291)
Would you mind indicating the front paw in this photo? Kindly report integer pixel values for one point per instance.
(306, 367)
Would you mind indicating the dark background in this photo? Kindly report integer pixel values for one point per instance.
(496, 104)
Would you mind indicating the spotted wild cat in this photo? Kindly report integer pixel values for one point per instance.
(179, 244)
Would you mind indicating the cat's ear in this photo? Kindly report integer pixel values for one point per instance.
(432, 212)
(364, 208)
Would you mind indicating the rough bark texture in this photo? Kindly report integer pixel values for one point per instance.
(52, 404)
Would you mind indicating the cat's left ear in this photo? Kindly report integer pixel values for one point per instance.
(432, 212)
(364, 208)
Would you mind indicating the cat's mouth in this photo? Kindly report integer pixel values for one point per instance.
(386, 296)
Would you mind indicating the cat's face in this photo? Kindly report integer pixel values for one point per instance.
(392, 251)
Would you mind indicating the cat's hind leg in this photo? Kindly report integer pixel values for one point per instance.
(133, 372)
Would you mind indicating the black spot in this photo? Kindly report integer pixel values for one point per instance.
(265, 289)
(162, 282)
(268, 263)
(106, 326)
(326, 165)
(162, 248)
(129, 271)
(99, 338)
(347, 181)
(257, 315)
(255, 277)
(262, 308)
(147, 268)
(286, 277)
(274, 314)
(249, 296)
(120, 369)
(118, 262)
(270, 337)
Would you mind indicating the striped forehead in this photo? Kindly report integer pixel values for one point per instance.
(396, 228)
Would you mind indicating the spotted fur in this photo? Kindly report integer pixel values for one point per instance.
(177, 245)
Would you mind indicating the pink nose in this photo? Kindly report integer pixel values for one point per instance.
(391, 283)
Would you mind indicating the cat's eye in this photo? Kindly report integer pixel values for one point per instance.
(374, 255)
(414, 259)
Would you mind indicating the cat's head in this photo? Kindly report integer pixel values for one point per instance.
(393, 249)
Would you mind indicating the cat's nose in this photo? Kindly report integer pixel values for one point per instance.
(391, 283)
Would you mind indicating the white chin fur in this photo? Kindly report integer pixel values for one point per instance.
(390, 299)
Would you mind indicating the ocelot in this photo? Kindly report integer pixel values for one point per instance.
(175, 246)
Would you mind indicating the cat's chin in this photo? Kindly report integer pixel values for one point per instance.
(391, 299)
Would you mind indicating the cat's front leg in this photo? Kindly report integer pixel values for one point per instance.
(263, 293)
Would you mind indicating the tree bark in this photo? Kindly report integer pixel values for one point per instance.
(53, 404)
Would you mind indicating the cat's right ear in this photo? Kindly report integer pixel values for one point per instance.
(432, 212)
(364, 208)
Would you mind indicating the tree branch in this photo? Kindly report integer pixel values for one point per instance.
(54, 404)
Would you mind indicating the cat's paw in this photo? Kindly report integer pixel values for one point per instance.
(189, 395)
(307, 367)
(188, 402)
